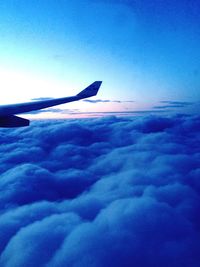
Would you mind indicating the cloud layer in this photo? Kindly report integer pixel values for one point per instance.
(173, 104)
(101, 192)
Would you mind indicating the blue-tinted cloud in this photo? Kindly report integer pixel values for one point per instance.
(101, 192)
(173, 104)
(106, 101)
(54, 110)
(177, 103)
(169, 106)
(184, 103)
(97, 101)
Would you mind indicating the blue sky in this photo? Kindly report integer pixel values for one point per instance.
(143, 51)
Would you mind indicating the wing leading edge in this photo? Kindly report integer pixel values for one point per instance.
(8, 112)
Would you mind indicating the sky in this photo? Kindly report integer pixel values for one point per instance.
(145, 52)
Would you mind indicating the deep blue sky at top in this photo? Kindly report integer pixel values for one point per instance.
(142, 50)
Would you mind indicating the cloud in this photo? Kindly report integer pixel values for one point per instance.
(122, 113)
(116, 191)
(54, 110)
(177, 103)
(173, 104)
(97, 101)
(168, 106)
(106, 101)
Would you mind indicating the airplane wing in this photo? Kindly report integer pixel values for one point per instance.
(8, 112)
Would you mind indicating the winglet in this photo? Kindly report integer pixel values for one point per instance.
(91, 90)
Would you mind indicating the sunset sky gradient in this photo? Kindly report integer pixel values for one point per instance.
(143, 51)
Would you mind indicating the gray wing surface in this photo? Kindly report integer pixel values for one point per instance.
(13, 109)
(8, 112)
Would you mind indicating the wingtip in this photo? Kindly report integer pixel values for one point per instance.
(91, 90)
(98, 82)
(97, 85)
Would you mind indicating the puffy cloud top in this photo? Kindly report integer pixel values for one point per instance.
(101, 192)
